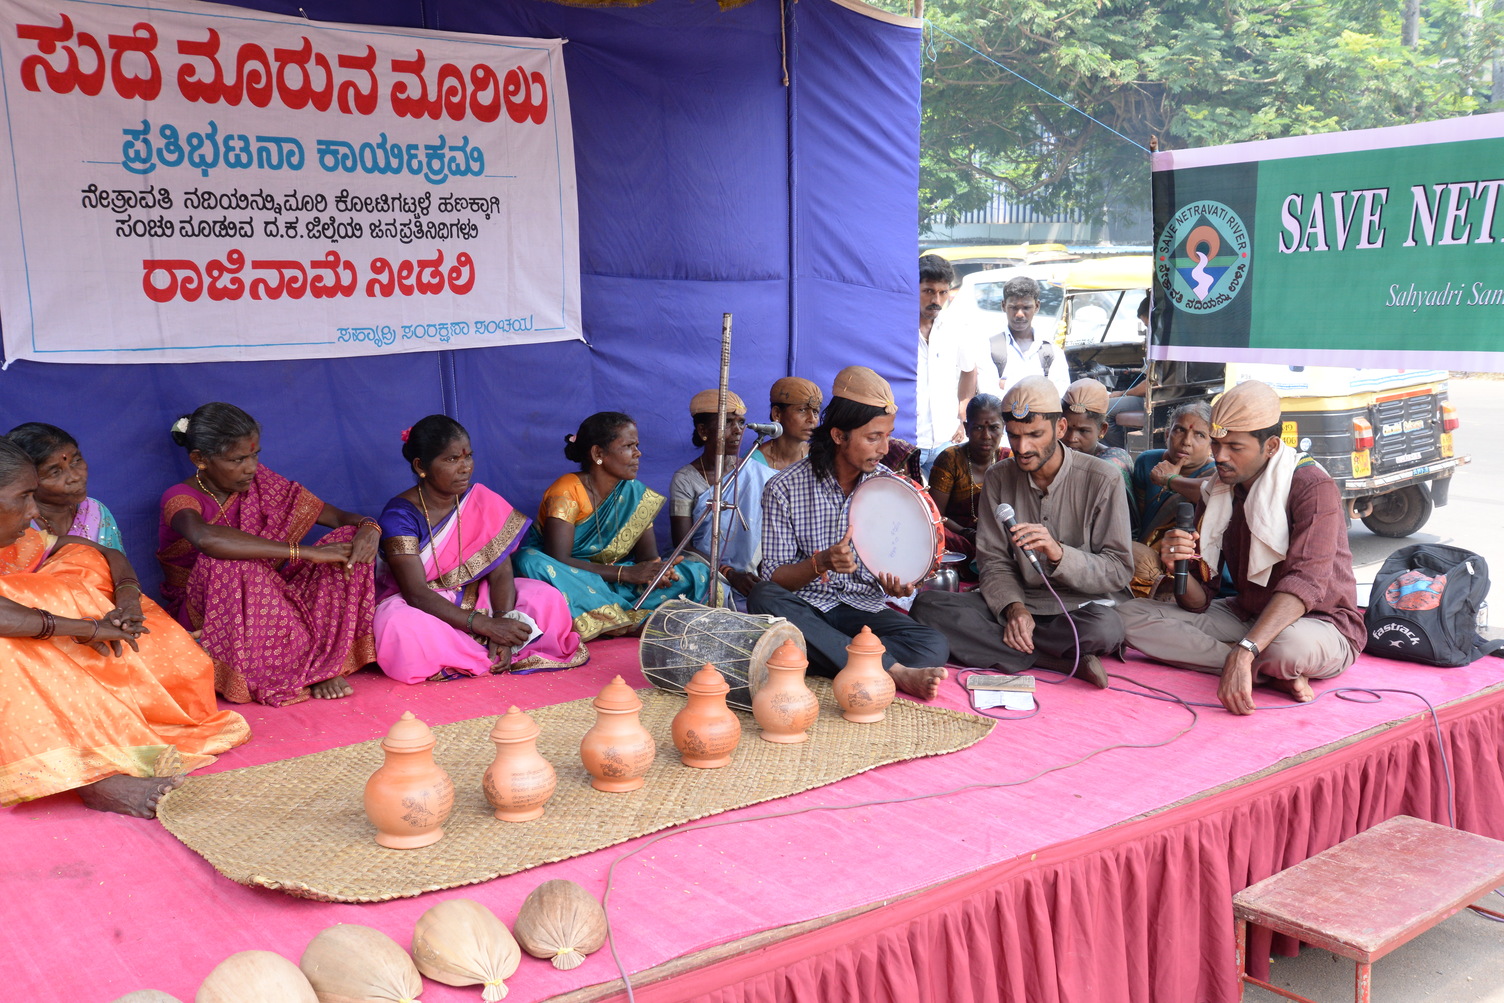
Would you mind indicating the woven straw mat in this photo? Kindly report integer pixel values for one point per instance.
(299, 825)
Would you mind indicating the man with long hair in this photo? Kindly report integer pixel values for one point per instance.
(812, 576)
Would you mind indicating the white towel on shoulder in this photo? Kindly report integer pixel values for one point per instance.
(1264, 509)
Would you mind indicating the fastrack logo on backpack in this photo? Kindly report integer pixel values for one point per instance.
(1397, 642)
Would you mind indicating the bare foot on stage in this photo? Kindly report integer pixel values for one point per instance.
(332, 689)
(921, 683)
(1298, 688)
(136, 796)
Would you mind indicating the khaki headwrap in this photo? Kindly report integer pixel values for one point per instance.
(860, 384)
(1031, 395)
(796, 390)
(1247, 407)
(709, 402)
(1085, 395)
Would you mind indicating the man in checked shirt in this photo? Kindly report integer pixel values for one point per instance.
(812, 576)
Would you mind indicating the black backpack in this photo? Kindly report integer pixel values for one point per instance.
(1424, 606)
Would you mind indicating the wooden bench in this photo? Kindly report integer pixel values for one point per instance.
(1368, 895)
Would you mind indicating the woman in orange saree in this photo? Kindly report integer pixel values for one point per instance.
(100, 691)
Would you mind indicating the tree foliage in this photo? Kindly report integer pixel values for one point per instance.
(1189, 73)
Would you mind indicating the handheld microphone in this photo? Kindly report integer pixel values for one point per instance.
(766, 429)
(1185, 521)
(1005, 516)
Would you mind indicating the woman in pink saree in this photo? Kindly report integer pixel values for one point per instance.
(449, 603)
(281, 620)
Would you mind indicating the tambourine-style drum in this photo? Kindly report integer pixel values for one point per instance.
(681, 636)
(896, 529)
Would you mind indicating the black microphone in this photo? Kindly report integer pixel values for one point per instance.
(1185, 521)
(766, 429)
(1005, 516)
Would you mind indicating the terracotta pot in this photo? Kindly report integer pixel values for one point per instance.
(784, 707)
(409, 798)
(519, 780)
(864, 688)
(617, 750)
(706, 730)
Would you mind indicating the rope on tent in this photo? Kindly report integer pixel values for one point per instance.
(933, 55)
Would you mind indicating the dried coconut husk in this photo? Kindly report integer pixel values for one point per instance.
(562, 922)
(255, 977)
(350, 963)
(150, 995)
(461, 943)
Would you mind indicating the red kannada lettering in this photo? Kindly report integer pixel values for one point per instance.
(298, 77)
(254, 80)
(71, 77)
(448, 98)
(518, 95)
(166, 279)
(189, 285)
(142, 41)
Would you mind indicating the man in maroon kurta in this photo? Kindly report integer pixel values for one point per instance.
(1276, 520)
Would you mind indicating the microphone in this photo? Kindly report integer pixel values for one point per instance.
(766, 429)
(1005, 516)
(1185, 520)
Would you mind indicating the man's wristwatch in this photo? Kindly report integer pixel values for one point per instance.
(1248, 645)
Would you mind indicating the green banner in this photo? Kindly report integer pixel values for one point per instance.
(1376, 249)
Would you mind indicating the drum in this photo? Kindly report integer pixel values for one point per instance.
(896, 529)
(681, 636)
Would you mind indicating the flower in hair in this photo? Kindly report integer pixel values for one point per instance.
(406, 433)
(569, 437)
(181, 425)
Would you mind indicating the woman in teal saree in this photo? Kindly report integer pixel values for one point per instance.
(593, 540)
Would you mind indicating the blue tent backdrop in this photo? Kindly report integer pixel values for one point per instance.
(705, 186)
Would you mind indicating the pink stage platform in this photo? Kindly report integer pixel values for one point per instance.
(1107, 880)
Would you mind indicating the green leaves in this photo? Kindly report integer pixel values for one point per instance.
(1191, 73)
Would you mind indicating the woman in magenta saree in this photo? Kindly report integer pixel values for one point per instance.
(449, 605)
(281, 621)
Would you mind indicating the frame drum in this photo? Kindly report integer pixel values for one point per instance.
(681, 636)
(896, 529)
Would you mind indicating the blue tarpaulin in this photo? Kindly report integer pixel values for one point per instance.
(706, 186)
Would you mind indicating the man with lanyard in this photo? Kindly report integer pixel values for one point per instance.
(1025, 354)
(1276, 520)
(812, 576)
(951, 366)
(1072, 516)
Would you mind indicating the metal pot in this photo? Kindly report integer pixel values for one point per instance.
(946, 579)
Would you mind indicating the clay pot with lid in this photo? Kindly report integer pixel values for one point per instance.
(864, 689)
(519, 780)
(706, 730)
(617, 750)
(409, 798)
(784, 707)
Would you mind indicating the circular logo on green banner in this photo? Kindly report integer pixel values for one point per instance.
(1202, 257)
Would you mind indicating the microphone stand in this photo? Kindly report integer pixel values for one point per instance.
(715, 506)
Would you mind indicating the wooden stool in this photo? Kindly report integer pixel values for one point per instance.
(1368, 895)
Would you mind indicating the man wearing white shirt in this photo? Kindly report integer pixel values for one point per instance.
(1026, 354)
(951, 366)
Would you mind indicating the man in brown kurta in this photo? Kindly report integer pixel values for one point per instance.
(1072, 513)
(1285, 544)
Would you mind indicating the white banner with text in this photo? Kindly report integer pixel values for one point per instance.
(190, 182)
